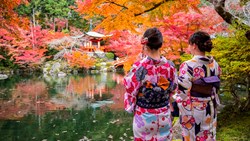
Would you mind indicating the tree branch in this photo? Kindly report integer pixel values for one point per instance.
(219, 6)
(117, 4)
(145, 11)
(152, 8)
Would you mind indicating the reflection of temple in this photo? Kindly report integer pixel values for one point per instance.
(92, 41)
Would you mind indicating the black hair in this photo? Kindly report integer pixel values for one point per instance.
(202, 40)
(155, 38)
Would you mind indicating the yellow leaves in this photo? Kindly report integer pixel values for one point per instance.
(80, 60)
(129, 62)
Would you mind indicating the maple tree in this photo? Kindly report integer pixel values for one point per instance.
(30, 47)
(126, 15)
(79, 60)
(9, 18)
(126, 46)
(176, 30)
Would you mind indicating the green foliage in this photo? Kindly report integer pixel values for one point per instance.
(109, 64)
(110, 55)
(24, 10)
(57, 8)
(97, 66)
(7, 62)
(42, 8)
(50, 53)
(233, 55)
(47, 9)
(185, 57)
(65, 31)
(234, 127)
(77, 21)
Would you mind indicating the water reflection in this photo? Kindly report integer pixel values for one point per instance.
(37, 95)
(43, 108)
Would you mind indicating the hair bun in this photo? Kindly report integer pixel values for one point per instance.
(202, 40)
(154, 38)
(208, 45)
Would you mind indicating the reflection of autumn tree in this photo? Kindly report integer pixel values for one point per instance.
(85, 85)
(34, 96)
(29, 96)
(118, 93)
(80, 85)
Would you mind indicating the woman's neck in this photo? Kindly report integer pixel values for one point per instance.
(199, 53)
(155, 54)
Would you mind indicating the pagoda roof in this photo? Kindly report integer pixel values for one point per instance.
(97, 35)
(91, 34)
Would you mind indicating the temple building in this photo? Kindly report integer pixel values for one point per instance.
(91, 40)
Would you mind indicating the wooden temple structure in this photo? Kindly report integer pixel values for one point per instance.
(92, 41)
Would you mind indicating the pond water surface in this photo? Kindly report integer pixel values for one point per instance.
(72, 108)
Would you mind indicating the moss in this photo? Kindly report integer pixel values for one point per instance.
(233, 125)
(110, 55)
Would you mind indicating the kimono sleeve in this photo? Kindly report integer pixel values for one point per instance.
(184, 82)
(132, 86)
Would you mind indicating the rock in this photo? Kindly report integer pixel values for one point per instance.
(94, 71)
(45, 71)
(47, 65)
(75, 72)
(103, 63)
(3, 76)
(104, 70)
(61, 74)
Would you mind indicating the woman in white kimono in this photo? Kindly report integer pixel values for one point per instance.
(197, 91)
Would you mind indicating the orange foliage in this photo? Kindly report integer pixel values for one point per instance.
(79, 60)
(127, 14)
(9, 18)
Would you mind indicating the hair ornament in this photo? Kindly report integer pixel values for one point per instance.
(144, 40)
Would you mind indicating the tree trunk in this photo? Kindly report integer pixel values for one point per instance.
(34, 25)
(33, 17)
(247, 104)
(32, 34)
(235, 97)
(67, 24)
(54, 24)
(219, 6)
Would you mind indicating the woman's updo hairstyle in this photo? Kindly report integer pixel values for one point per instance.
(202, 40)
(154, 38)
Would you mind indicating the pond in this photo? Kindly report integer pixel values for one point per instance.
(72, 108)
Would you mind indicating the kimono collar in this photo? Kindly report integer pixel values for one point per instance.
(203, 59)
(160, 61)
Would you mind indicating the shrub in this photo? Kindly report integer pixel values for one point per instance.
(110, 55)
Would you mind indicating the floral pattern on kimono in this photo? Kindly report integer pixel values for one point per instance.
(149, 123)
(198, 115)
